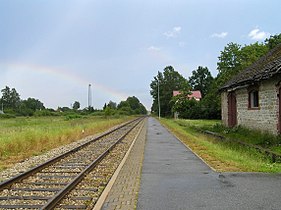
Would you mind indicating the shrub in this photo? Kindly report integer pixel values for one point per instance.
(7, 116)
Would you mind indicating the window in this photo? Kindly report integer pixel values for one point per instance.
(254, 99)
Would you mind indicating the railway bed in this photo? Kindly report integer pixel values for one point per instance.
(73, 180)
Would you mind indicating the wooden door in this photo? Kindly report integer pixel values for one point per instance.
(279, 115)
(232, 109)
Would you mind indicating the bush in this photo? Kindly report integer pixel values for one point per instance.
(72, 116)
(45, 112)
(248, 135)
(7, 116)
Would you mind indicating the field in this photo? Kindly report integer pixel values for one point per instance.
(23, 137)
(224, 156)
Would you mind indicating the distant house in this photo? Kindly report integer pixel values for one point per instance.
(196, 94)
(253, 97)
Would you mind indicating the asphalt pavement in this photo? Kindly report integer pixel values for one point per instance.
(173, 177)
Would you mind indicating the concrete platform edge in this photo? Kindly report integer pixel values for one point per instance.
(102, 198)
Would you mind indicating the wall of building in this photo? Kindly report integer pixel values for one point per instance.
(266, 117)
(224, 111)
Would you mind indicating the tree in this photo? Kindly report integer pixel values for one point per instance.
(10, 98)
(76, 105)
(273, 41)
(30, 106)
(132, 106)
(201, 79)
(251, 53)
(112, 105)
(124, 108)
(168, 81)
(104, 106)
(229, 62)
(133, 102)
(234, 59)
(64, 109)
(33, 104)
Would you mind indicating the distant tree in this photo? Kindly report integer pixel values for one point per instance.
(273, 41)
(108, 111)
(133, 102)
(76, 105)
(33, 104)
(201, 79)
(10, 98)
(112, 105)
(104, 107)
(30, 106)
(131, 106)
(168, 81)
(64, 109)
(142, 109)
(211, 104)
(123, 104)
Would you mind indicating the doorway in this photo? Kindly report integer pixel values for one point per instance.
(232, 109)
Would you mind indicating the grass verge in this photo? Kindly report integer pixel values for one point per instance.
(23, 137)
(222, 156)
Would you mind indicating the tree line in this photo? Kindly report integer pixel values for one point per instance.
(232, 60)
(132, 106)
(12, 105)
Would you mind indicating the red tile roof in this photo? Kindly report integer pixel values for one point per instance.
(196, 94)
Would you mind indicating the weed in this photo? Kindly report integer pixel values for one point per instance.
(222, 155)
(23, 137)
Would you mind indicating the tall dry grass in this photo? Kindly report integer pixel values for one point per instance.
(24, 137)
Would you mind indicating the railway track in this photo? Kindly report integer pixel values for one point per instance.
(73, 180)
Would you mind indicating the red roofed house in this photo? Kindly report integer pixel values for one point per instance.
(196, 94)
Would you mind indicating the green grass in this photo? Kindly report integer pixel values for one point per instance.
(23, 137)
(255, 137)
(223, 156)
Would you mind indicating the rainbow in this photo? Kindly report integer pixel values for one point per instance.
(66, 75)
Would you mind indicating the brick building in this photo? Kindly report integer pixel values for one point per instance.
(253, 97)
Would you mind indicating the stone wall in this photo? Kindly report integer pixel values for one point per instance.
(224, 111)
(266, 117)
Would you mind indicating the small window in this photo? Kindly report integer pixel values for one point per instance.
(254, 99)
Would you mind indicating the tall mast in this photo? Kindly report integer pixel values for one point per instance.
(89, 96)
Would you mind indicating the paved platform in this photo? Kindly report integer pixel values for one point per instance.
(124, 192)
(172, 177)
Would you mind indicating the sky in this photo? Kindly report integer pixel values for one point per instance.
(52, 50)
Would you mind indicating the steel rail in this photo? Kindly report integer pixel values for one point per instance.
(51, 204)
(9, 182)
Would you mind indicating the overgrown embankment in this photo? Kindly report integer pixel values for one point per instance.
(24, 137)
(226, 155)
